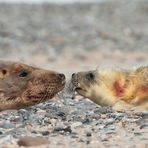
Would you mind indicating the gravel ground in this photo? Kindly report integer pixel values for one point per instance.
(69, 38)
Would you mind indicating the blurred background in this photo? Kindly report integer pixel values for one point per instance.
(73, 35)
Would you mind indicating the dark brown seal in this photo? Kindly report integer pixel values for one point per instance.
(22, 85)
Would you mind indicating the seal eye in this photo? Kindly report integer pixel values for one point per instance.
(90, 76)
(23, 73)
(4, 71)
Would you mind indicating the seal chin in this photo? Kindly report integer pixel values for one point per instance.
(61, 87)
(77, 85)
(80, 91)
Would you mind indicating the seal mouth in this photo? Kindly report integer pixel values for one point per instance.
(62, 85)
(44, 92)
(80, 90)
(77, 87)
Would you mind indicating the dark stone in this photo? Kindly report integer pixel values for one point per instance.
(62, 127)
(88, 134)
(61, 114)
(144, 115)
(45, 133)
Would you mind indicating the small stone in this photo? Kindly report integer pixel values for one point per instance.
(45, 133)
(144, 115)
(32, 141)
(81, 140)
(109, 132)
(103, 116)
(76, 124)
(117, 115)
(74, 135)
(104, 137)
(61, 114)
(40, 111)
(34, 132)
(59, 127)
(68, 129)
(101, 110)
(88, 134)
(6, 138)
(96, 116)
(62, 127)
(7, 125)
(112, 127)
(86, 120)
(109, 121)
(143, 126)
(87, 142)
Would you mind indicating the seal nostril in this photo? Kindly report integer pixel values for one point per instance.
(61, 76)
(73, 75)
(90, 76)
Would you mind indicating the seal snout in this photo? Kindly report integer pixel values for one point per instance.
(61, 78)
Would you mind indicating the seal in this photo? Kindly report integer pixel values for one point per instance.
(22, 85)
(121, 89)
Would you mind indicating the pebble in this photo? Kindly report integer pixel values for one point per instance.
(104, 137)
(144, 115)
(86, 120)
(7, 125)
(4, 139)
(41, 112)
(101, 110)
(117, 115)
(76, 124)
(62, 127)
(45, 133)
(109, 132)
(61, 114)
(103, 116)
(111, 127)
(143, 126)
(109, 121)
(32, 141)
(24, 114)
(59, 127)
(88, 134)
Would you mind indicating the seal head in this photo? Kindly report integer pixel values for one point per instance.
(122, 89)
(23, 85)
(83, 81)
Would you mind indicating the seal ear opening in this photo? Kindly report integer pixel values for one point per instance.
(3, 73)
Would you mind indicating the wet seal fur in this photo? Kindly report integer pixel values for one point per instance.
(22, 85)
(121, 89)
